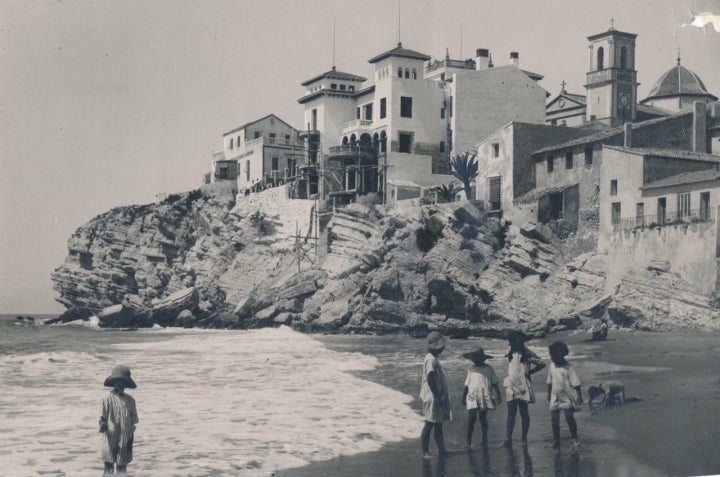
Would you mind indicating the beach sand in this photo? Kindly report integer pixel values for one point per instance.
(672, 430)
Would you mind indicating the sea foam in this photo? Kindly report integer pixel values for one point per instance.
(210, 403)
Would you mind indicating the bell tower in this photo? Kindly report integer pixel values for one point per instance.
(611, 88)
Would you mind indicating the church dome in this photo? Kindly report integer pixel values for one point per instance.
(679, 81)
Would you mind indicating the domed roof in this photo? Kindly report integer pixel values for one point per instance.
(679, 81)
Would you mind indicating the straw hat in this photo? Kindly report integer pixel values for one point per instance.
(478, 354)
(121, 373)
(435, 340)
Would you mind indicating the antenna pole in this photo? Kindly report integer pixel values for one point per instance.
(461, 55)
(398, 22)
(333, 49)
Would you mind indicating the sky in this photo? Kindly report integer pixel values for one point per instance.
(108, 103)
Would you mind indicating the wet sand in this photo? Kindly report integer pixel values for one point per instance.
(673, 430)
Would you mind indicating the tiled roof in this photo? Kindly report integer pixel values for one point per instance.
(535, 194)
(606, 134)
(240, 128)
(612, 31)
(684, 178)
(400, 52)
(335, 74)
(642, 108)
(669, 153)
(678, 81)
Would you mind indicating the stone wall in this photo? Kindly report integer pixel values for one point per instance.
(684, 246)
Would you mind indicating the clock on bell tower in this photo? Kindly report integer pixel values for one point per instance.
(611, 88)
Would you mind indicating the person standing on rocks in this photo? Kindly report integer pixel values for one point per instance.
(117, 421)
(522, 363)
(434, 395)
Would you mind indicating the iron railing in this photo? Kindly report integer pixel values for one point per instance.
(705, 214)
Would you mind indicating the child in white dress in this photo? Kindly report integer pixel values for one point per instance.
(563, 392)
(482, 393)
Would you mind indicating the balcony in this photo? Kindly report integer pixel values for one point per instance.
(357, 126)
(661, 220)
(348, 150)
(448, 63)
(608, 74)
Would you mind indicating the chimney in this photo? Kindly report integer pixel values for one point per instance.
(482, 59)
(699, 127)
(628, 135)
(515, 59)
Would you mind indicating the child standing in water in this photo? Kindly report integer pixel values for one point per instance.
(522, 363)
(482, 392)
(117, 421)
(563, 392)
(434, 395)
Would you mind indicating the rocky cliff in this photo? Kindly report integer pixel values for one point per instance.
(203, 259)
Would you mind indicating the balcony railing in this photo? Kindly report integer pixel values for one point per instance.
(273, 141)
(447, 63)
(347, 149)
(660, 220)
(357, 122)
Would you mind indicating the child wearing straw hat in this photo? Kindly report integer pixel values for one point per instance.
(118, 420)
(482, 392)
(434, 395)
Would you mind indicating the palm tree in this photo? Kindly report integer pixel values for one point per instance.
(464, 168)
(447, 193)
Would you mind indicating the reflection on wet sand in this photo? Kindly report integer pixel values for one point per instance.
(568, 467)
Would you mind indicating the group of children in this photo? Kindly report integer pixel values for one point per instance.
(482, 391)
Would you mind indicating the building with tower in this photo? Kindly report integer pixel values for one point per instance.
(611, 86)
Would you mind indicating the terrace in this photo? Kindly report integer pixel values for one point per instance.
(661, 220)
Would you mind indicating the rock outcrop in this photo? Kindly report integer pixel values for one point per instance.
(207, 258)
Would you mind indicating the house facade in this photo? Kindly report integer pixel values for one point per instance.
(660, 204)
(266, 151)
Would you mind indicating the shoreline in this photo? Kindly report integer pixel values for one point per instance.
(672, 430)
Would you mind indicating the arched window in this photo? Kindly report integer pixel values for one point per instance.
(399, 72)
(600, 58)
(345, 141)
(623, 58)
(353, 140)
(383, 141)
(414, 74)
(407, 73)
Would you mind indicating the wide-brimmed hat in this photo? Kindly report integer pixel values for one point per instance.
(121, 373)
(435, 340)
(478, 354)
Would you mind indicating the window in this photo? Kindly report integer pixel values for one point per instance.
(640, 214)
(247, 171)
(383, 107)
(314, 119)
(496, 149)
(231, 143)
(549, 164)
(588, 157)
(613, 187)
(399, 72)
(407, 73)
(704, 205)
(342, 87)
(600, 58)
(683, 204)
(568, 160)
(333, 86)
(275, 163)
(287, 137)
(615, 212)
(351, 88)
(237, 142)
(623, 58)
(553, 122)
(405, 142)
(368, 110)
(442, 113)
(661, 209)
(272, 135)
(357, 112)
(414, 74)
(257, 134)
(442, 146)
(405, 106)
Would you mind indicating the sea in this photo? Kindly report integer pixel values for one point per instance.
(210, 402)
